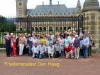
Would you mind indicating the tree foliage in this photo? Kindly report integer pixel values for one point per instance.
(7, 25)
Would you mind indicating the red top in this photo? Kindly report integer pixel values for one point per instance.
(69, 48)
(13, 42)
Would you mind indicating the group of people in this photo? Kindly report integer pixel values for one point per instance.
(69, 44)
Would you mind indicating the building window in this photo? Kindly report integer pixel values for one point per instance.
(50, 28)
(92, 16)
(60, 28)
(56, 28)
(40, 28)
(44, 28)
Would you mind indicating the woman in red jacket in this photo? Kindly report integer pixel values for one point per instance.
(69, 51)
(13, 45)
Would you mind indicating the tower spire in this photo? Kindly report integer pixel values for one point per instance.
(50, 2)
(78, 4)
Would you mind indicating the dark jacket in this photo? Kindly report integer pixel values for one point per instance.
(77, 43)
(29, 43)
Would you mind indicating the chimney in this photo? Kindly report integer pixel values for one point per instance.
(58, 2)
(50, 2)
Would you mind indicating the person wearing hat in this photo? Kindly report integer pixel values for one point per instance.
(76, 46)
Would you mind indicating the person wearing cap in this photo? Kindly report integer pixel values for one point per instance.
(76, 46)
(35, 51)
(42, 50)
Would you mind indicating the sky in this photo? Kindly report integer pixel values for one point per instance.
(8, 7)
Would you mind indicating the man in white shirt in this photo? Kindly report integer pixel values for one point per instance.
(85, 45)
(34, 40)
(35, 50)
(42, 50)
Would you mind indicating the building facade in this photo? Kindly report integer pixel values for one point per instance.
(90, 12)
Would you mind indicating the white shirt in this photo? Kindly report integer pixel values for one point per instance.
(50, 49)
(52, 37)
(35, 49)
(34, 40)
(42, 49)
(85, 41)
(72, 40)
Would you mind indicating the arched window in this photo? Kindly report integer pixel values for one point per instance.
(56, 28)
(64, 28)
(32, 29)
(50, 28)
(44, 28)
(60, 28)
(40, 28)
(36, 28)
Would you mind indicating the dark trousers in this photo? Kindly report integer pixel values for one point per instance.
(8, 51)
(89, 51)
(57, 54)
(25, 51)
(81, 52)
(44, 54)
(35, 55)
(17, 50)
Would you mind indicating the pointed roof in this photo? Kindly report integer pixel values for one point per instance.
(54, 9)
(78, 4)
(91, 5)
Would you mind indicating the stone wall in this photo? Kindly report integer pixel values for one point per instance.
(92, 24)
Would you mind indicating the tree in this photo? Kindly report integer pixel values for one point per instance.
(7, 24)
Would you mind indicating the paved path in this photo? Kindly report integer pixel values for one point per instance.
(29, 66)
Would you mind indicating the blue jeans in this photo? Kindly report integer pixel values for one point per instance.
(29, 51)
(35, 55)
(85, 52)
(62, 53)
(44, 54)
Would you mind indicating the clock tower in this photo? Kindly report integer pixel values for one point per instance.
(21, 7)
